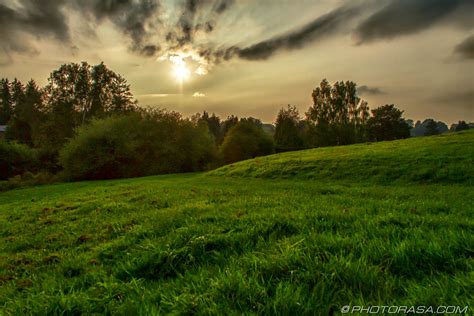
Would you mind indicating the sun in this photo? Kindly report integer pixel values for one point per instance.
(181, 72)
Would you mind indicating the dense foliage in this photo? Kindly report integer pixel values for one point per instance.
(461, 126)
(289, 130)
(246, 140)
(88, 113)
(16, 159)
(338, 116)
(137, 145)
(387, 123)
(428, 127)
(75, 94)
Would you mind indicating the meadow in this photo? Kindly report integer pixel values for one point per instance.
(307, 232)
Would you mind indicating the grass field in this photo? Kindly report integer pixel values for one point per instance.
(296, 233)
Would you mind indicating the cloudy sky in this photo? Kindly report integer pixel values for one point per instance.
(250, 57)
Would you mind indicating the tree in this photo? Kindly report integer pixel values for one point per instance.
(288, 131)
(421, 128)
(338, 116)
(110, 93)
(410, 123)
(387, 123)
(5, 102)
(17, 129)
(442, 127)
(27, 116)
(461, 126)
(226, 125)
(431, 128)
(89, 91)
(15, 159)
(197, 146)
(213, 123)
(77, 93)
(245, 140)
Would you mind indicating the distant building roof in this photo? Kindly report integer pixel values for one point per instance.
(3, 128)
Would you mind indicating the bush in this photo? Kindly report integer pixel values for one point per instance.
(244, 141)
(136, 145)
(16, 159)
(197, 147)
(47, 158)
(28, 179)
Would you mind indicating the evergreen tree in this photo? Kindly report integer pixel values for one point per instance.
(6, 107)
(28, 103)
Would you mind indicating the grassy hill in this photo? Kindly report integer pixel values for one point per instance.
(296, 233)
(447, 158)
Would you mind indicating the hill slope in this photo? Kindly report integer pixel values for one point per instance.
(209, 245)
(447, 158)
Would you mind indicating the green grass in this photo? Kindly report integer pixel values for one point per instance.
(275, 235)
(447, 158)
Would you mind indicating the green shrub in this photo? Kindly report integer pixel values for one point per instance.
(47, 158)
(15, 159)
(197, 147)
(136, 145)
(245, 140)
(28, 179)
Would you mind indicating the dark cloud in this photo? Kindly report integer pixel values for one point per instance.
(37, 18)
(132, 17)
(222, 6)
(149, 50)
(403, 17)
(196, 15)
(318, 29)
(139, 20)
(48, 18)
(465, 49)
(366, 90)
(147, 35)
(208, 27)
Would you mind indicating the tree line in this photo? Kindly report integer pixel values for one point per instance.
(86, 124)
(337, 117)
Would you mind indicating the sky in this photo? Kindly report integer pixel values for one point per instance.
(251, 58)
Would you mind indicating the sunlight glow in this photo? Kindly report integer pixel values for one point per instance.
(181, 72)
(186, 63)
